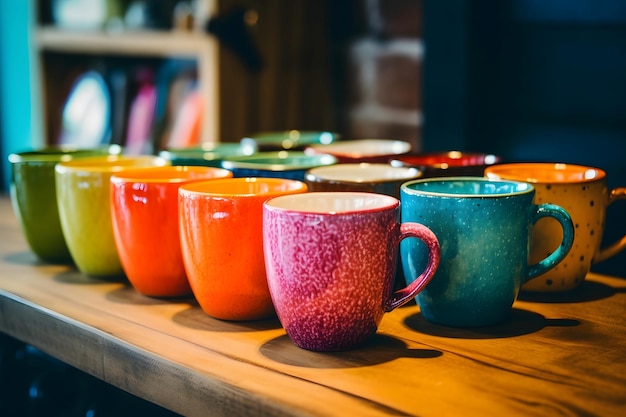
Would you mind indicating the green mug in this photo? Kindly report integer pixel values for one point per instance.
(33, 196)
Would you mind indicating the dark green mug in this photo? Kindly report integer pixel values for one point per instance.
(33, 196)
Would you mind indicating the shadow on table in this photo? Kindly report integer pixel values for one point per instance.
(378, 349)
(587, 291)
(195, 318)
(128, 295)
(22, 258)
(520, 322)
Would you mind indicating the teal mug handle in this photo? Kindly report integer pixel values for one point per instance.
(563, 217)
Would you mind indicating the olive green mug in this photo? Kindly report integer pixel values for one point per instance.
(33, 196)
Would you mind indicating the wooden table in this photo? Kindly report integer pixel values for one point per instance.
(558, 355)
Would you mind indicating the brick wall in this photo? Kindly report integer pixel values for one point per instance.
(384, 64)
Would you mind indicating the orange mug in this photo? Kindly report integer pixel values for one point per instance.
(221, 235)
(144, 208)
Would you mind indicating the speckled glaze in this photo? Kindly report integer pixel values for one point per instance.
(330, 260)
(583, 192)
(484, 230)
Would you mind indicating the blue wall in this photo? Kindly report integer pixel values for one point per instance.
(20, 103)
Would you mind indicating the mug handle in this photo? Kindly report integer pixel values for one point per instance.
(404, 295)
(616, 247)
(563, 217)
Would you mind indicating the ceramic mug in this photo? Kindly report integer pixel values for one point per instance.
(448, 164)
(583, 192)
(331, 260)
(144, 208)
(484, 228)
(84, 202)
(34, 199)
(286, 140)
(282, 164)
(207, 154)
(362, 150)
(222, 242)
(364, 177)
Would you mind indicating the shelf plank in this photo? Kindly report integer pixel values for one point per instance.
(140, 42)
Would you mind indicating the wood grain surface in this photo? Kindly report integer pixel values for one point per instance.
(559, 354)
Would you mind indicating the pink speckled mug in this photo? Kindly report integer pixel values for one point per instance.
(330, 259)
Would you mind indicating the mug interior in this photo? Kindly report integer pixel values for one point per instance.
(333, 202)
(545, 172)
(466, 187)
(362, 173)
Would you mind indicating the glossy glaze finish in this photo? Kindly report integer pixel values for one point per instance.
(287, 140)
(363, 177)
(222, 242)
(33, 195)
(330, 261)
(362, 150)
(210, 155)
(448, 164)
(484, 229)
(144, 208)
(584, 193)
(283, 164)
(84, 201)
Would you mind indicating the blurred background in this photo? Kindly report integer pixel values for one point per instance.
(527, 79)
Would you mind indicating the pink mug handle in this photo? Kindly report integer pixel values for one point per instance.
(404, 295)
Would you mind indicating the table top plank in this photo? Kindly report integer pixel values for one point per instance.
(558, 354)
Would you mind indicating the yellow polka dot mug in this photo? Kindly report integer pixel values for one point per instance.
(583, 192)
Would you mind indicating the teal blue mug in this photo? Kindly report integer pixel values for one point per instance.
(484, 228)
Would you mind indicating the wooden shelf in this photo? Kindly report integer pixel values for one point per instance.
(563, 354)
(142, 43)
(146, 43)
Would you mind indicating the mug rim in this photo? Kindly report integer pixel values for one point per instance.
(362, 148)
(281, 203)
(254, 161)
(519, 187)
(108, 163)
(61, 153)
(204, 152)
(446, 159)
(545, 172)
(169, 174)
(316, 174)
(203, 188)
